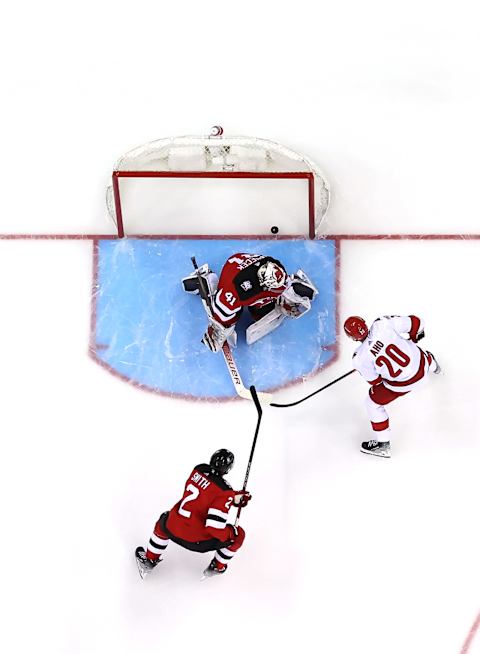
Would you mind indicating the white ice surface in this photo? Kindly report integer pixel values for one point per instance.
(344, 553)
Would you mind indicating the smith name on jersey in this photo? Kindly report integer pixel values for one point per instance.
(202, 513)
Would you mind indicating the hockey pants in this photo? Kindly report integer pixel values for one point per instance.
(224, 550)
(377, 398)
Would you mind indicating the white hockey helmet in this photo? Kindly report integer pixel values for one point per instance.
(271, 276)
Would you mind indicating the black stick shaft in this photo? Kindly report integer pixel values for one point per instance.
(314, 392)
(252, 451)
(203, 288)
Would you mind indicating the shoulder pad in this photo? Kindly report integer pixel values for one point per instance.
(217, 479)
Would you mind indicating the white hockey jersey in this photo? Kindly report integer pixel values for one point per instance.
(390, 355)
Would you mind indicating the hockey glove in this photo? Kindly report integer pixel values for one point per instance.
(296, 299)
(216, 335)
(419, 336)
(233, 533)
(241, 499)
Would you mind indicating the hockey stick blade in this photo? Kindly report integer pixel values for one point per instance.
(283, 406)
(264, 398)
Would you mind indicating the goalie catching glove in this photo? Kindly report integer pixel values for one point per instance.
(217, 334)
(297, 298)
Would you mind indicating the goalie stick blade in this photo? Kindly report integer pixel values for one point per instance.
(264, 398)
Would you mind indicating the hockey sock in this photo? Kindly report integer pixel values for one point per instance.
(219, 565)
(223, 557)
(157, 544)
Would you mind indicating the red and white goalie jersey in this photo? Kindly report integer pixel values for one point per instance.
(202, 513)
(389, 354)
(239, 286)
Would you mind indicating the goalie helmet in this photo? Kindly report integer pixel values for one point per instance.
(271, 276)
(356, 328)
(222, 461)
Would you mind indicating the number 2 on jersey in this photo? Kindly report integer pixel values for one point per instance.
(397, 356)
(194, 492)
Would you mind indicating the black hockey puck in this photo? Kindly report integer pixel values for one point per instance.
(274, 229)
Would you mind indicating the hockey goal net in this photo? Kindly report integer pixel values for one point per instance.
(217, 185)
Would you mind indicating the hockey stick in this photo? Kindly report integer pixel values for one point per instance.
(249, 465)
(314, 392)
(266, 398)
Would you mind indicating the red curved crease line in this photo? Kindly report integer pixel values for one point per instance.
(471, 635)
(195, 398)
(94, 346)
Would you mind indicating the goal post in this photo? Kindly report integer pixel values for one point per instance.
(218, 186)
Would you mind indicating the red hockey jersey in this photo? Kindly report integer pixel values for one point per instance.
(239, 286)
(202, 513)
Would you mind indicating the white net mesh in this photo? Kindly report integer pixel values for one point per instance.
(224, 154)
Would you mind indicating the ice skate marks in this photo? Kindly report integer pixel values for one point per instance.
(147, 331)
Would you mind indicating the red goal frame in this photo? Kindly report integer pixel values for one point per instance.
(309, 176)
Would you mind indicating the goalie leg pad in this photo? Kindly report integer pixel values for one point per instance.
(264, 326)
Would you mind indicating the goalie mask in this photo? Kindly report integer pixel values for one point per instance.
(356, 328)
(271, 276)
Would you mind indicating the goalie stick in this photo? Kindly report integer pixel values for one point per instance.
(266, 398)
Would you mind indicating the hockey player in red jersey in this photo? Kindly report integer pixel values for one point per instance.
(390, 360)
(199, 521)
(260, 283)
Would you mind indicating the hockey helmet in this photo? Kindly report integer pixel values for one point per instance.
(356, 328)
(222, 461)
(271, 275)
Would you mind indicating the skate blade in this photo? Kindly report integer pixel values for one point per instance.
(207, 574)
(142, 571)
(383, 455)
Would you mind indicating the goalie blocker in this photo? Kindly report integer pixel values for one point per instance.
(257, 282)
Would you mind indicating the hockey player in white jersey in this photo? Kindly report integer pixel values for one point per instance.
(392, 363)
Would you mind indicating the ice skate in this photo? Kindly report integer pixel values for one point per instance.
(214, 568)
(376, 448)
(144, 564)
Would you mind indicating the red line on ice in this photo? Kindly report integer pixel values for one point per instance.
(471, 635)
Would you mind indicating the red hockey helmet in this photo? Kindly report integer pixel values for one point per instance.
(356, 328)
